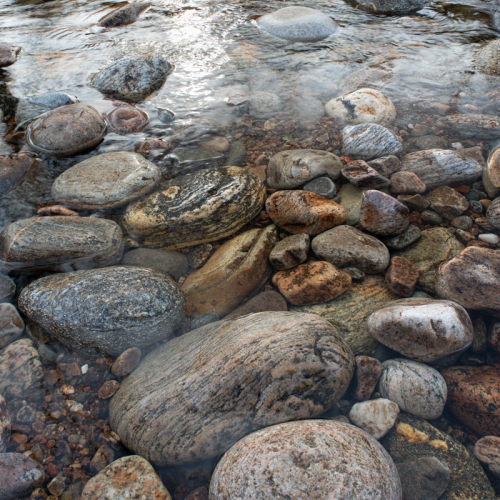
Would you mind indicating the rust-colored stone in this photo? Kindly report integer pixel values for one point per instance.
(402, 276)
(382, 214)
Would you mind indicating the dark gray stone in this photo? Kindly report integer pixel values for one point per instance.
(164, 261)
(187, 159)
(404, 239)
(203, 320)
(430, 217)
(368, 141)
(7, 288)
(323, 186)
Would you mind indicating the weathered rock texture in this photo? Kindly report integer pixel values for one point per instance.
(20, 475)
(5, 425)
(491, 174)
(383, 215)
(123, 15)
(368, 141)
(375, 417)
(472, 125)
(11, 324)
(290, 252)
(262, 302)
(13, 168)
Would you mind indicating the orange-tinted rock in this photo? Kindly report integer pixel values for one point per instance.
(13, 168)
(406, 183)
(401, 277)
(360, 174)
(487, 451)
(312, 283)
(366, 375)
(382, 214)
(447, 202)
(474, 397)
(304, 212)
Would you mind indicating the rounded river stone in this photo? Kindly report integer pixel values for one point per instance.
(20, 475)
(61, 243)
(66, 131)
(196, 208)
(7, 288)
(106, 181)
(105, 311)
(198, 394)
(306, 460)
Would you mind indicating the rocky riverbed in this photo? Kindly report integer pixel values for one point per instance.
(250, 251)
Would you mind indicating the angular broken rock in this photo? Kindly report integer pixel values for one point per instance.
(290, 252)
(406, 183)
(179, 405)
(447, 202)
(360, 174)
(382, 214)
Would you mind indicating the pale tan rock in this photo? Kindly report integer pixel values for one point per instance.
(375, 417)
(290, 252)
(216, 143)
(491, 174)
(447, 202)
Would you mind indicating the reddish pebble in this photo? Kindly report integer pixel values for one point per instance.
(108, 389)
(366, 375)
(127, 120)
(401, 277)
(126, 362)
(406, 183)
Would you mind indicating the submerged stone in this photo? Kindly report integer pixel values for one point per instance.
(13, 168)
(30, 107)
(127, 120)
(8, 54)
(123, 15)
(392, 6)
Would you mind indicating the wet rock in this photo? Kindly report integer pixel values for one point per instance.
(363, 176)
(491, 175)
(237, 268)
(493, 213)
(349, 311)
(312, 283)
(187, 159)
(216, 143)
(292, 168)
(413, 438)
(20, 475)
(462, 222)
(66, 131)
(198, 494)
(20, 368)
(262, 302)
(474, 397)
(472, 125)
(304, 212)
(346, 246)
(368, 141)
(199, 255)
(307, 109)
(401, 277)
(471, 278)
(296, 459)
(8, 54)
(351, 198)
(487, 451)
(132, 78)
(424, 142)
(11, 324)
(298, 366)
(127, 119)
(108, 389)
(493, 336)
(105, 311)
(431, 217)
(236, 155)
(5, 425)
(106, 180)
(322, 186)
(368, 77)
(128, 477)
(163, 261)
(487, 57)
(406, 183)
(414, 202)
(416, 388)
(382, 214)
(422, 329)
(123, 15)
(263, 104)
(193, 130)
(447, 202)
(426, 478)
(290, 252)
(492, 239)
(386, 165)
(7, 288)
(13, 168)
(404, 239)
(435, 246)
(298, 24)
(126, 362)
(56, 486)
(392, 6)
(375, 417)
(61, 243)
(366, 375)
(442, 167)
(362, 106)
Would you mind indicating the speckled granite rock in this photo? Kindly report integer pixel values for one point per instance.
(196, 208)
(290, 252)
(5, 425)
(13, 168)
(442, 167)
(366, 375)
(237, 268)
(368, 141)
(298, 24)
(413, 438)
(61, 243)
(164, 261)
(307, 460)
(179, 405)
(487, 451)
(346, 246)
(129, 477)
(20, 368)
(7, 288)
(11, 324)
(435, 246)
(386, 165)
(416, 388)
(471, 125)
(383, 215)
(375, 417)
(304, 212)
(132, 78)
(422, 329)
(402, 276)
(404, 239)
(406, 183)
(105, 311)
(292, 168)
(349, 311)
(20, 475)
(471, 278)
(106, 180)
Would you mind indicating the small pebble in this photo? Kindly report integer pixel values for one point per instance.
(489, 238)
(108, 389)
(377, 417)
(323, 186)
(126, 362)
(487, 451)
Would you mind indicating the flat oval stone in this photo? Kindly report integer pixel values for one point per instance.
(292, 168)
(422, 329)
(123, 15)
(132, 78)
(382, 214)
(106, 180)
(310, 459)
(105, 311)
(20, 475)
(8, 54)
(66, 131)
(442, 167)
(472, 125)
(346, 246)
(11, 324)
(304, 212)
(196, 208)
(491, 174)
(13, 168)
(298, 24)
(368, 141)
(487, 451)
(493, 213)
(195, 396)
(323, 186)
(61, 243)
(416, 388)
(375, 417)
(362, 106)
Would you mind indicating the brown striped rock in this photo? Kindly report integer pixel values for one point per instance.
(307, 460)
(196, 208)
(235, 270)
(304, 212)
(61, 243)
(105, 311)
(198, 394)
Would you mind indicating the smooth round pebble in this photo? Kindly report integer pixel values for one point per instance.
(126, 362)
(376, 417)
